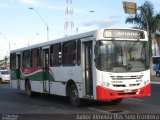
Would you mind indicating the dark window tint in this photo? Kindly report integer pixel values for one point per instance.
(40, 57)
(78, 52)
(56, 55)
(26, 58)
(13, 61)
(69, 53)
(34, 58)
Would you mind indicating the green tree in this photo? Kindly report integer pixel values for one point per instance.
(5, 60)
(153, 18)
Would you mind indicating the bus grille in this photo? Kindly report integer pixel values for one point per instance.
(126, 77)
(122, 78)
(123, 85)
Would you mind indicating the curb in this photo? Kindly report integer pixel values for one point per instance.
(155, 82)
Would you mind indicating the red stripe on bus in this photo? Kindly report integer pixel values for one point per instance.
(109, 94)
(30, 70)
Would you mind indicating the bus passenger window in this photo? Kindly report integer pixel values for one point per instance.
(34, 55)
(39, 57)
(13, 61)
(56, 55)
(51, 56)
(69, 53)
(26, 58)
(78, 52)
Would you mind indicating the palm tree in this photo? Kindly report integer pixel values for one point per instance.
(153, 19)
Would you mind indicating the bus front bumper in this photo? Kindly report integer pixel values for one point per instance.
(109, 94)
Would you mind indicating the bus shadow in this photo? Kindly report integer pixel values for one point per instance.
(93, 103)
(43, 100)
(64, 101)
(56, 99)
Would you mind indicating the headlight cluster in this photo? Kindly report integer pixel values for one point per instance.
(146, 82)
(105, 84)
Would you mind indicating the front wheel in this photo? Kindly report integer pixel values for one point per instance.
(157, 74)
(117, 101)
(74, 96)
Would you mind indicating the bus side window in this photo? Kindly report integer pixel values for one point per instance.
(69, 53)
(55, 55)
(26, 58)
(78, 52)
(40, 57)
(34, 56)
(13, 61)
(51, 56)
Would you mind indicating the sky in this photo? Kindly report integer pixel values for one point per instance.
(21, 26)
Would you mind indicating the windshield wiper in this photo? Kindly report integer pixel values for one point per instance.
(115, 43)
(119, 48)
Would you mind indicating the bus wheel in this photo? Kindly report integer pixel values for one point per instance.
(117, 101)
(18, 85)
(74, 96)
(28, 88)
(157, 74)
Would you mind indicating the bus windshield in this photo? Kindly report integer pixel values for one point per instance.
(121, 56)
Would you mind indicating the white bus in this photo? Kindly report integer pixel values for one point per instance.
(104, 65)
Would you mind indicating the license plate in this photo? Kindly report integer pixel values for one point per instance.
(127, 91)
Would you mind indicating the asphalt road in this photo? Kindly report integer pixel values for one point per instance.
(15, 104)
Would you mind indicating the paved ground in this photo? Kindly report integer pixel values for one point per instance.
(16, 104)
(155, 80)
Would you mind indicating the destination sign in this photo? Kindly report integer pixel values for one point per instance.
(128, 34)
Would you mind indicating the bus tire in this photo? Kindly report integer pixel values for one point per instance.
(18, 85)
(74, 96)
(117, 101)
(157, 74)
(28, 88)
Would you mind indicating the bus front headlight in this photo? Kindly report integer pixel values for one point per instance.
(105, 84)
(145, 82)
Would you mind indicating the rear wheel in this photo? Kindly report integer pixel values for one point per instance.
(18, 85)
(28, 88)
(74, 96)
(117, 101)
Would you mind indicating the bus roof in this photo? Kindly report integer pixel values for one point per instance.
(65, 39)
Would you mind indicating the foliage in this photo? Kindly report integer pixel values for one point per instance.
(140, 20)
(149, 15)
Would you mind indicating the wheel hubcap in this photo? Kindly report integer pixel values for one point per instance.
(74, 94)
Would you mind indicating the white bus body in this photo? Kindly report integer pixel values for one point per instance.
(105, 64)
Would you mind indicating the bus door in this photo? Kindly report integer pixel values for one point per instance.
(46, 70)
(18, 65)
(87, 68)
